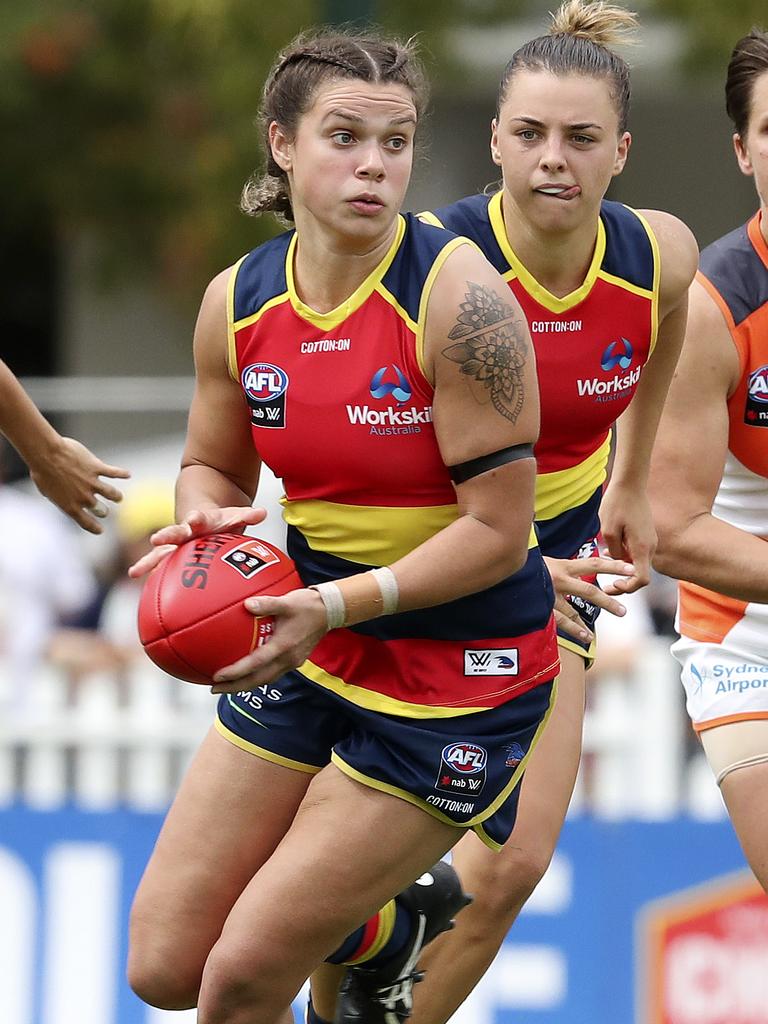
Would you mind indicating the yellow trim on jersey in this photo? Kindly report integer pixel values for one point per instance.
(656, 280)
(267, 755)
(563, 489)
(553, 303)
(426, 291)
(369, 534)
(231, 345)
(253, 318)
(429, 218)
(473, 823)
(620, 282)
(401, 312)
(328, 321)
(375, 701)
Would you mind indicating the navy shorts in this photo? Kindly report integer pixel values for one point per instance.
(464, 769)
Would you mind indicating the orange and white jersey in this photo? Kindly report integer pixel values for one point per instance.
(723, 644)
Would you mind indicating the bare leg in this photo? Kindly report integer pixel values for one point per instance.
(745, 791)
(232, 810)
(340, 862)
(501, 882)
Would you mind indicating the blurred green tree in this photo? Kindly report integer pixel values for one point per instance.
(712, 28)
(132, 120)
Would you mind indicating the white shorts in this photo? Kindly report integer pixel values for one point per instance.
(722, 684)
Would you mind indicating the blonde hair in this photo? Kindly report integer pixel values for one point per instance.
(579, 41)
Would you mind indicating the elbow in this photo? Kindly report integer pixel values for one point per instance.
(667, 557)
(515, 556)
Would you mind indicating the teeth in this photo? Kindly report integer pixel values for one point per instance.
(555, 191)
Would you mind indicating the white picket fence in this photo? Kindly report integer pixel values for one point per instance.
(125, 740)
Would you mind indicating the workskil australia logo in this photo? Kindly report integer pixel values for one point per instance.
(389, 384)
(618, 357)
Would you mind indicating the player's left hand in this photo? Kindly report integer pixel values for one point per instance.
(629, 533)
(71, 477)
(300, 622)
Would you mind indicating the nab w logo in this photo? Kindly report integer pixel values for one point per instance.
(494, 662)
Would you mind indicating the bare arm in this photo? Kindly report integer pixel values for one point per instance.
(625, 511)
(688, 463)
(62, 469)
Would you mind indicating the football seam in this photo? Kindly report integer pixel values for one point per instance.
(224, 608)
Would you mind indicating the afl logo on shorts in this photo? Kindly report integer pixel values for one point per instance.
(265, 387)
(462, 768)
(756, 408)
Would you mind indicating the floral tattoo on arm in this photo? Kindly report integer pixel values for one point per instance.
(492, 349)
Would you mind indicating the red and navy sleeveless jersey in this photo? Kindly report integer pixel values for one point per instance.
(734, 273)
(341, 411)
(591, 346)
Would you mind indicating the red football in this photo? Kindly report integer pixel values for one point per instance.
(192, 621)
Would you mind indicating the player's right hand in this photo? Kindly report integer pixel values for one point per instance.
(568, 578)
(196, 523)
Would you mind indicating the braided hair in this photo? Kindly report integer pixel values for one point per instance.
(309, 61)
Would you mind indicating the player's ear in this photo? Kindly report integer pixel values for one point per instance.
(742, 155)
(495, 151)
(280, 146)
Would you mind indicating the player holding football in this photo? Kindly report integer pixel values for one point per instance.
(383, 370)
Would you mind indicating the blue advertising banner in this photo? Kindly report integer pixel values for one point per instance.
(67, 878)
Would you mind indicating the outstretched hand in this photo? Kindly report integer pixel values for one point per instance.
(196, 523)
(71, 477)
(568, 578)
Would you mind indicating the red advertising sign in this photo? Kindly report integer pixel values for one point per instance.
(704, 955)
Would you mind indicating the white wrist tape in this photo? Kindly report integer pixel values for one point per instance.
(390, 592)
(333, 599)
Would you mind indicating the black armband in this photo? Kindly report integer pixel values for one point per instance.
(474, 467)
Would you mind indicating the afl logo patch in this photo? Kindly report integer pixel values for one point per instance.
(265, 386)
(462, 768)
(756, 407)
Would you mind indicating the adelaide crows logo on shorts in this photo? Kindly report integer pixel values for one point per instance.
(756, 407)
(250, 557)
(462, 768)
(265, 387)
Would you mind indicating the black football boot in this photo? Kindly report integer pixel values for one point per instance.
(384, 995)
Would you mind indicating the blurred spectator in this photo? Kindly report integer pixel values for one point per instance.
(113, 643)
(44, 579)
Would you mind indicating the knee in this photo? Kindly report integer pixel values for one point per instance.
(161, 978)
(504, 883)
(234, 983)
